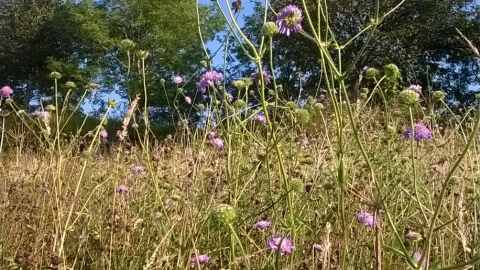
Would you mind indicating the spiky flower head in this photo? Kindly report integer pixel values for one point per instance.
(225, 215)
(269, 29)
(296, 185)
(5, 91)
(439, 96)
(302, 115)
(177, 80)
(260, 118)
(366, 219)
(283, 244)
(372, 73)
(209, 78)
(127, 44)
(55, 75)
(200, 259)
(415, 87)
(217, 143)
(103, 134)
(262, 224)
(392, 71)
(289, 20)
(421, 132)
(70, 85)
(408, 98)
(266, 77)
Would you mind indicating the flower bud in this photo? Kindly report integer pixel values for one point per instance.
(408, 97)
(112, 103)
(269, 29)
(127, 44)
(55, 75)
(70, 85)
(302, 115)
(225, 215)
(372, 73)
(392, 71)
(439, 96)
(50, 108)
(142, 54)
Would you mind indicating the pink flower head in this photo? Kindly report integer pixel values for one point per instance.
(217, 142)
(318, 247)
(262, 224)
(122, 189)
(177, 80)
(289, 20)
(284, 244)
(188, 100)
(200, 259)
(260, 118)
(212, 135)
(5, 92)
(416, 88)
(209, 78)
(266, 77)
(304, 143)
(135, 169)
(366, 218)
(103, 134)
(421, 131)
(417, 256)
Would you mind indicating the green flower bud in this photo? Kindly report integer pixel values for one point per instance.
(92, 86)
(390, 130)
(204, 63)
(413, 236)
(240, 103)
(70, 85)
(209, 172)
(303, 116)
(439, 96)
(296, 185)
(201, 107)
(179, 90)
(271, 92)
(310, 100)
(243, 83)
(142, 54)
(50, 108)
(328, 186)
(166, 186)
(307, 161)
(269, 29)
(279, 88)
(363, 96)
(162, 81)
(291, 105)
(176, 197)
(365, 90)
(321, 98)
(453, 180)
(372, 73)
(225, 215)
(318, 107)
(408, 98)
(55, 75)
(112, 103)
(392, 71)
(9, 101)
(127, 44)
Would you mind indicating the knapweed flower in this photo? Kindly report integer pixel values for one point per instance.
(188, 100)
(217, 142)
(417, 256)
(366, 218)
(266, 77)
(122, 189)
(209, 78)
(421, 132)
(5, 92)
(284, 244)
(103, 134)
(262, 224)
(200, 259)
(289, 20)
(260, 118)
(177, 80)
(135, 169)
(416, 88)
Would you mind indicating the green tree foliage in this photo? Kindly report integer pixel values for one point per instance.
(419, 37)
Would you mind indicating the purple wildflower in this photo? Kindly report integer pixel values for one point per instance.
(260, 117)
(209, 78)
(289, 20)
(122, 189)
(188, 100)
(103, 134)
(177, 80)
(318, 247)
(217, 142)
(200, 259)
(135, 169)
(416, 88)
(304, 144)
(417, 256)
(266, 77)
(421, 131)
(366, 218)
(284, 244)
(211, 135)
(261, 224)
(5, 92)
